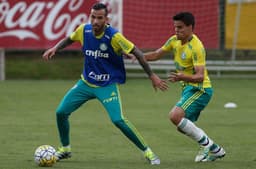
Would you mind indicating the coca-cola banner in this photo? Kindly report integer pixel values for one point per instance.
(40, 24)
(29, 24)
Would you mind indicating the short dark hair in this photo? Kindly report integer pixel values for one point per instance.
(99, 6)
(186, 17)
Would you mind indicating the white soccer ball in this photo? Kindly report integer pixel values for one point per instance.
(45, 156)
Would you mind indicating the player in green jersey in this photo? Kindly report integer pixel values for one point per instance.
(189, 58)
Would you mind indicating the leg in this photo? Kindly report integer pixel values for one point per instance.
(186, 112)
(73, 99)
(184, 125)
(110, 98)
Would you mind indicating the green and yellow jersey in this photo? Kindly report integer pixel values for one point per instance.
(187, 56)
(118, 42)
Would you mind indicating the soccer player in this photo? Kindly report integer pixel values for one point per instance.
(104, 70)
(189, 58)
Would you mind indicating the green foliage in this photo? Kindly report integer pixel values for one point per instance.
(28, 120)
(69, 66)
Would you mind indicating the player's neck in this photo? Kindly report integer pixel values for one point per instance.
(188, 39)
(99, 33)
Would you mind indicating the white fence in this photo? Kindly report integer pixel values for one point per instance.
(214, 67)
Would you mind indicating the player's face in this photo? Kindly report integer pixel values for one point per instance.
(182, 31)
(98, 20)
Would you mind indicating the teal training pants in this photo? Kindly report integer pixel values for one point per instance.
(109, 97)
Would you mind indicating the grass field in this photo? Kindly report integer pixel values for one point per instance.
(28, 120)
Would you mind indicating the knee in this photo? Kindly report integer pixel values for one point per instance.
(172, 117)
(118, 123)
(176, 115)
(61, 114)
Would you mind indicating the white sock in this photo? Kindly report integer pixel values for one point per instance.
(197, 134)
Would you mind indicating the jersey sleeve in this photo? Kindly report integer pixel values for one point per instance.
(77, 35)
(121, 44)
(199, 56)
(168, 46)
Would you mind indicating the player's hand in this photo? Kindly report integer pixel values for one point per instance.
(130, 56)
(175, 77)
(49, 53)
(158, 83)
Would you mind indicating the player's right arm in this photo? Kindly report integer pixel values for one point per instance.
(77, 35)
(60, 45)
(155, 55)
(149, 56)
(159, 53)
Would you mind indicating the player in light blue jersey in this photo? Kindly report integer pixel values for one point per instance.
(104, 70)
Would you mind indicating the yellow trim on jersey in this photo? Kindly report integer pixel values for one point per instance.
(119, 42)
(88, 83)
(187, 56)
(77, 35)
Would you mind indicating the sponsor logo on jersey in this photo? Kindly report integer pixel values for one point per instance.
(113, 97)
(99, 77)
(97, 53)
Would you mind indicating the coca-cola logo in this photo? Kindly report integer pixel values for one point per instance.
(39, 24)
(57, 18)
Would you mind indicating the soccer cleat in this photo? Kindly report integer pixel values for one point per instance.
(63, 153)
(151, 157)
(214, 156)
(202, 154)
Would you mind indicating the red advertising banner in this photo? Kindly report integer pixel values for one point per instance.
(29, 24)
(40, 24)
(148, 23)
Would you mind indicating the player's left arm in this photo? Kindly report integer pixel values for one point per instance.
(156, 81)
(198, 60)
(139, 56)
(120, 43)
(198, 77)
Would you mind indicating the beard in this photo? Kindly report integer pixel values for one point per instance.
(97, 29)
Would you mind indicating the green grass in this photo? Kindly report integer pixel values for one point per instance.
(28, 120)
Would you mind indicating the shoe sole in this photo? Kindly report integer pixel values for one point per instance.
(63, 157)
(214, 158)
(155, 162)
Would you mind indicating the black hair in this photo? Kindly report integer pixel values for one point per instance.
(99, 6)
(186, 17)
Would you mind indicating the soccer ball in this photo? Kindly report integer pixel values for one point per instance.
(45, 156)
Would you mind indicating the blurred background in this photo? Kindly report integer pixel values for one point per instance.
(28, 28)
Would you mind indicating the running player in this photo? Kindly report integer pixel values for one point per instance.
(102, 47)
(189, 58)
